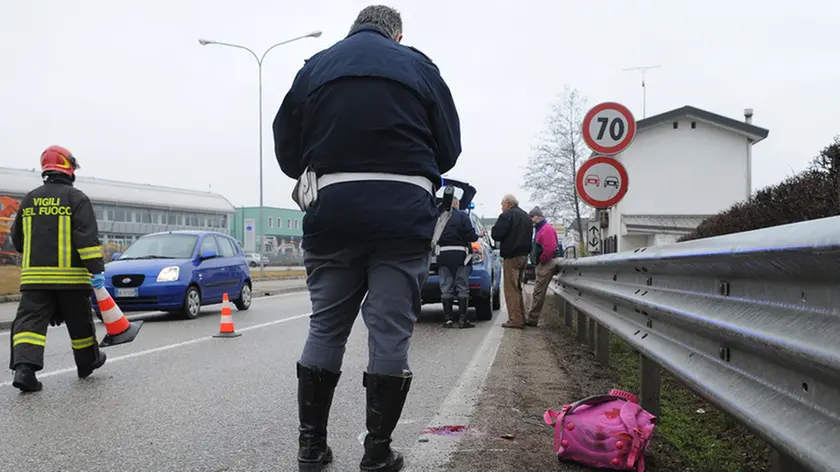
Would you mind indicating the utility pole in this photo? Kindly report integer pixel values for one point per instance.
(643, 70)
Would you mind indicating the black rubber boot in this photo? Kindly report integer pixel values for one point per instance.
(25, 379)
(86, 371)
(463, 306)
(385, 400)
(315, 394)
(448, 321)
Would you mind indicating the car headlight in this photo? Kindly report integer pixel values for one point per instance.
(169, 274)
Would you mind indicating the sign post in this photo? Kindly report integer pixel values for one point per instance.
(608, 129)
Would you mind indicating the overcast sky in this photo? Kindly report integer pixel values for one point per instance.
(126, 86)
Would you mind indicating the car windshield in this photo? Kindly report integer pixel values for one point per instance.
(162, 246)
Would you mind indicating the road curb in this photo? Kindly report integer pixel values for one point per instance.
(280, 291)
(4, 325)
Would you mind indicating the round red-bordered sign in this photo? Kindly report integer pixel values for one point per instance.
(602, 182)
(609, 128)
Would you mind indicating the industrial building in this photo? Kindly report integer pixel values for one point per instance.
(124, 211)
(283, 229)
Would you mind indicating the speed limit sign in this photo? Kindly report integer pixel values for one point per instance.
(608, 128)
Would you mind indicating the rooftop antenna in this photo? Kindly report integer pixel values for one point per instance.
(643, 70)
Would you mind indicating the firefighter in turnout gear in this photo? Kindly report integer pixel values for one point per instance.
(55, 232)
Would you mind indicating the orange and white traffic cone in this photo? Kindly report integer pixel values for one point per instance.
(226, 329)
(120, 330)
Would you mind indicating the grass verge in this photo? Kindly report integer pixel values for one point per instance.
(277, 274)
(10, 277)
(703, 437)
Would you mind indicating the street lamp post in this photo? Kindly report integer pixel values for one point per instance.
(205, 42)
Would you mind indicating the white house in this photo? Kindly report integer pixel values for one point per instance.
(683, 166)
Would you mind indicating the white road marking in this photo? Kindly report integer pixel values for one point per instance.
(132, 355)
(434, 451)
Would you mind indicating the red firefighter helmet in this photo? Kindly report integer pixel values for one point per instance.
(58, 159)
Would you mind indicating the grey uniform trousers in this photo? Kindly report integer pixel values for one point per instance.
(455, 285)
(391, 274)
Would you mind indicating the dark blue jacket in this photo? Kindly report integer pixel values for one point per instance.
(458, 231)
(368, 104)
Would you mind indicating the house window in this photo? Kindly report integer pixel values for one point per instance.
(693, 124)
(296, 224)
(288, 223)
(270, 222)
(676, 124)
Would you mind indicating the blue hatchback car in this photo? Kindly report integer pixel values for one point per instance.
(179, 272)
(485, 281)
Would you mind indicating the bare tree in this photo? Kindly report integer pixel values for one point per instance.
(553, 166)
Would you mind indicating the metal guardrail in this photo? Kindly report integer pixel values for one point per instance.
(750, 322)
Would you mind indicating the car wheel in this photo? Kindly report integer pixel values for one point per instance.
(192, 303)
(482, 309)
(497, 299)
(244, 301)
(252, 264)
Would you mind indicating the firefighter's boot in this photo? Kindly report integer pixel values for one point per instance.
(315, 394)
(84, 372)
(463, 306)
(25, 379)
(449, 319)
(385, 400)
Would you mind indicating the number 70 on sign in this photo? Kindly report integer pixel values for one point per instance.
(609, 128)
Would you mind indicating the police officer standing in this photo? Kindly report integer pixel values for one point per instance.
(454, 259)
(367, 128)
(56, 233)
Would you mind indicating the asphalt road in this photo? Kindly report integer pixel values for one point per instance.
(178, 399)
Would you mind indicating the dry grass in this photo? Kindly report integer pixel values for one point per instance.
(9, 280)
(272, 273)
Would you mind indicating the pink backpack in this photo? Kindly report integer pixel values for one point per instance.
(609, 431)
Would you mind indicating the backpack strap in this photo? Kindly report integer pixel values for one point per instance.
(640, 435)
(594, 400)
(552, 417)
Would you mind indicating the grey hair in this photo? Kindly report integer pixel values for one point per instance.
(511, 200)
(384, 17)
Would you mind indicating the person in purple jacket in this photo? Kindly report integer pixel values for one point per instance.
(545, 249)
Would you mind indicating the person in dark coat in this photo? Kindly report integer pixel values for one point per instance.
(513, 229)
(367, 128)
(454, 258)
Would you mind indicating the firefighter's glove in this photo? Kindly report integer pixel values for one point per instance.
(97, 281)
(56, 320)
